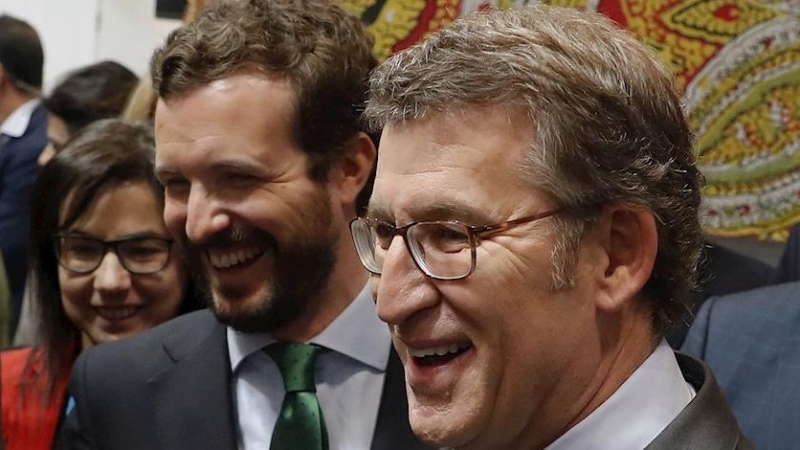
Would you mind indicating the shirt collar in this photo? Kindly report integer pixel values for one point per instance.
(356, 332)
(16, 124)
(638, 411)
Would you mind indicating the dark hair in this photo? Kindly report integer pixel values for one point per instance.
(102, 155)
(322, 50)
(607, 122)
(98, 91)
(21, 53)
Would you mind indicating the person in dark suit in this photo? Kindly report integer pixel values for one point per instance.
(532, 232)
(260, 149)
(721, 271)
(750, 340)
(788, 268)
(23, 136)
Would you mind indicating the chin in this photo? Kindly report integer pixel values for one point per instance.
(439, 428)
(258, 314)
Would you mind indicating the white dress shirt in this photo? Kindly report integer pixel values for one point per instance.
(349, 379)
(637, 412)
(16, 123)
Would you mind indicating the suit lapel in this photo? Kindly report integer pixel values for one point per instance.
(392, 430)
(707, 421)
(192, 397)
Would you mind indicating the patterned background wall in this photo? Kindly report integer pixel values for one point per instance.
(737, 63)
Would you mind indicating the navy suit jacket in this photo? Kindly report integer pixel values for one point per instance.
(18, 172)
(721, 272)
(170, 388)
(751, 340)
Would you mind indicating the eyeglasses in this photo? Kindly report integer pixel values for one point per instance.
(442, 250)
(138, 255)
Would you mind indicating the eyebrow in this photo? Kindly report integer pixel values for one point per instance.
(226, 165)
(444, 210)
(138, 235)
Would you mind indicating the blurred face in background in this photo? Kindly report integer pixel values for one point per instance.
(110, 302)
(57, 136)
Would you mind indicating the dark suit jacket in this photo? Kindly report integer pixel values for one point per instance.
(721, 271)
(789, 266)
(170, 388)
(707, 422)
(751, 341)
(18, 172)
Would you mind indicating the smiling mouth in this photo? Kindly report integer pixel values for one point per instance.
(117, 313)
(437, 356)
(233, 258)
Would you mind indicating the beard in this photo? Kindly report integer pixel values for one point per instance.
(302, 269)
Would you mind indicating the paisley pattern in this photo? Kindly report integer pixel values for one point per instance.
(737, 62)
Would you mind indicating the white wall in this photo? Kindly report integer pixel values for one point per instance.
(79, 32)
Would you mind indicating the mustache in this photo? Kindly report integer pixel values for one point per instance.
(229, 238)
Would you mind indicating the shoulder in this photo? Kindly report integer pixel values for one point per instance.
(151, 349)
(770, 303)
(745, 318)
(13, 362)
(14, 357)
(35, 135)
(731, 319)
(746, 329)
(38, 120)
(707, 422)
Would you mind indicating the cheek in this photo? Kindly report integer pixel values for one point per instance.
(165, 294)
(76, 295)
(174, 216)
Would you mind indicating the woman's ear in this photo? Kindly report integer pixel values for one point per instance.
(628, 237)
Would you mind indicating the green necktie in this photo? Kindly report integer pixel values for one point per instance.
(300, 425)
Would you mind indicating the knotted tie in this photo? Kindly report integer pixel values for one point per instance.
(300, 425)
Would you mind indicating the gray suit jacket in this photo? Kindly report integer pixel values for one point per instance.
(751, 340)
(170, 388)
(707, 422)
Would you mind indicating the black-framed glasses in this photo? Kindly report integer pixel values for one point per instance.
(442, 249)
(139, 255)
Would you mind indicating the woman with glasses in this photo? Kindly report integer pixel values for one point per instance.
(104, 267)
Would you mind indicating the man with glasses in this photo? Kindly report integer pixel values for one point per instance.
(532, 232)
(260, 148)
(23, 136)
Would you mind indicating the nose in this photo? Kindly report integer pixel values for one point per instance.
(402, 289)
(205, 216)
(111, 279)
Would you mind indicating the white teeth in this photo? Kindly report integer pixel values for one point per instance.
(439, 351)
(233, 258)
(116, 313)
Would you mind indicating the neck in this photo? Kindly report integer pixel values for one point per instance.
(86, 341)
(10, 100)
(625, 340)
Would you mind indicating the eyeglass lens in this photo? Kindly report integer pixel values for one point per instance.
(138, 255)
(441, 249)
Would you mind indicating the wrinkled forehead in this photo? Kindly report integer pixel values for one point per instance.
(460, 162)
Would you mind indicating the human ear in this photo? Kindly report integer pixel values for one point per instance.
(352, 171)
(628, 237)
